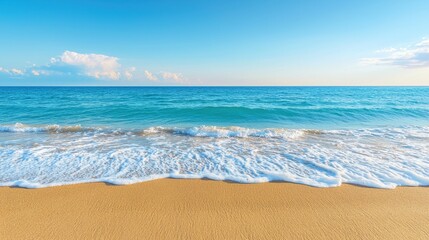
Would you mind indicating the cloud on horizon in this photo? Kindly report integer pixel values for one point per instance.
(12, 71)
(177, 77)
(129, 73)
(150, 76)
(97, 66)
(415, 56)
(93, 65)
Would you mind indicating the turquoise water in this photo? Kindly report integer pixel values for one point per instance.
(254, 107)
(320, 136)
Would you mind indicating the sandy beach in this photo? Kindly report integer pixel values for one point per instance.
(204, 209)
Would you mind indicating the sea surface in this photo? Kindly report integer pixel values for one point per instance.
(319, 136)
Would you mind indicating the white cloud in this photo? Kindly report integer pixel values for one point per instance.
(424, 43)
(4, 70)
(97, 66)
(54, 60)
(129, 73)
(416, 56)
(13, 71)
(17, 71)
(176, 77)
(94, 65)
(150, 76)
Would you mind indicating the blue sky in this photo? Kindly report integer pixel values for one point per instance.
(214, 42)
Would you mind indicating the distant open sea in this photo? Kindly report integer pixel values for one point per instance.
(319, 136)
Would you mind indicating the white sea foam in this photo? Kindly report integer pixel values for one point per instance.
(19, 127)
(380, 157)
(227, 132)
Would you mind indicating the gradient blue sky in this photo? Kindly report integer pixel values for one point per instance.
(214, 42)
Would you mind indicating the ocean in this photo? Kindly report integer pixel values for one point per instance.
(318, 136)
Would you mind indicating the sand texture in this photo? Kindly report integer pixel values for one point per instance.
(203, 209)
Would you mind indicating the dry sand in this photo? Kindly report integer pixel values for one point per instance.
(202, 209)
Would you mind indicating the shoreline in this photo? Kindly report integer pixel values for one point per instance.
(207, 209)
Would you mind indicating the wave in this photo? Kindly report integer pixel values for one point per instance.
(53, 155)
(22, 128)
(230, 132)
(201, 131)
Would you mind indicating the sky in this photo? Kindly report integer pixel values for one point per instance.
(211, 43)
